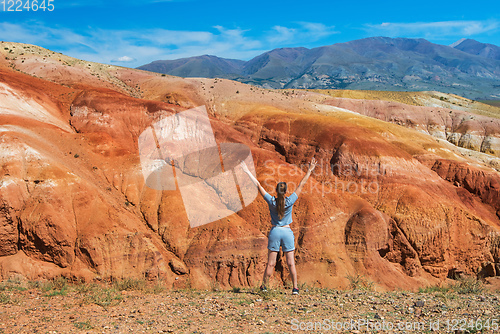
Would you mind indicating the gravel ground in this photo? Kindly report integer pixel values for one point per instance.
(134, 307)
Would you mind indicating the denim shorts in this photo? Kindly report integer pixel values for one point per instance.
(281, 236)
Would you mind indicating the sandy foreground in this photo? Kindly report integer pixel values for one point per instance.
(136, 307)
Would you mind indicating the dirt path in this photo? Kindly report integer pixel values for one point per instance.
(91, 308)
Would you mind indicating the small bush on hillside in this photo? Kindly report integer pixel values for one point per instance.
(468, 285)
(360, 282)
(130, 284)
(102, 296)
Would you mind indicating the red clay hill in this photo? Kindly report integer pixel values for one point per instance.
(388, 202)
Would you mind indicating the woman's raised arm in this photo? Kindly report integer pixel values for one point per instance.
(312, 165)
(262, 191)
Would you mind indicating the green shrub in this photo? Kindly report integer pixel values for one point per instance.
(360, 282)
(156, 288)
(53, 293)
(102, 296)
(55, 287)
(13, 284)
(468, 285)
(5, 298)
(130, 284)
(435, 288)
(83, 325)
(463, 285)
(270, 294)
(214, 286)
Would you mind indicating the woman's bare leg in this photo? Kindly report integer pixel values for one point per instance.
(271, 263)
(290, 260)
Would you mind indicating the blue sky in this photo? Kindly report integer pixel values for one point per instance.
(132, 33)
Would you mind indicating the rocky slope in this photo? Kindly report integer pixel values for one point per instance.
(470, 126)
(387, 202)
(461, 128)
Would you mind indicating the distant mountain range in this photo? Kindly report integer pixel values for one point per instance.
(478, 49)
(467, 67)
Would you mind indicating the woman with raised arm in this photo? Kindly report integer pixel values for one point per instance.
(280, 208)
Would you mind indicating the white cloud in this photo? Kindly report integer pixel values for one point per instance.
(318, 30)
(36, 33)
(305, 32)
(236, 38)
(123, 59)
(282, 34)
(434, 30)
(142, 46)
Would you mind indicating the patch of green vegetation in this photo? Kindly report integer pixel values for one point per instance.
(359, 282)
(53, 293)
(83, 324)
(130, 284)
(244, 301)
(494, 103)
(56, 287)
(101, 295)
(157, 288)
(270, 294)
(12, 284)
(435, 289)
(464, 285)
(82, 287)
(214, 286)
(468, 285)
(5, 298)
(409, 98)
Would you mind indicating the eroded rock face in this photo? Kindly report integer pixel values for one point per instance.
(484, 184)
(8, 231)
(73, 200)
(374, 242)
(415, 217)
(48, 228)
(463, 129)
